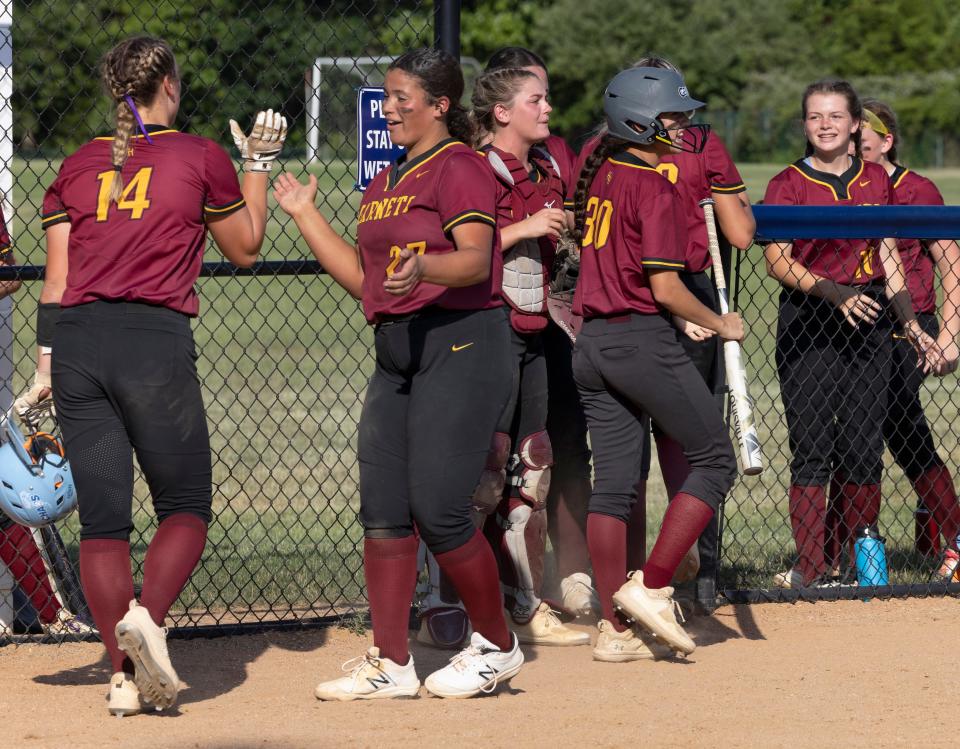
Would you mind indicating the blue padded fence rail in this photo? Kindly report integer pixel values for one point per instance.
(788, 222)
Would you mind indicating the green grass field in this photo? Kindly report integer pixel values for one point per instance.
(284, 363)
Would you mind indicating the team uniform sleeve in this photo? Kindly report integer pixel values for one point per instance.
(926, 193)
(781, 191)
(722, 173)
(663, 245)
(466, 191)
(53, 210)
(222, 194)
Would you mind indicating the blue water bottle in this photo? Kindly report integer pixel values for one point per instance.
(871, 557)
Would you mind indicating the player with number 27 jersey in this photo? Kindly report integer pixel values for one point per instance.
(170, 188)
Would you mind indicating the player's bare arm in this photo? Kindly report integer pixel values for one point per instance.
(736, 220)
(547, 222)
(896, 290)
(338, 257)
(670, 292)
(469, 265)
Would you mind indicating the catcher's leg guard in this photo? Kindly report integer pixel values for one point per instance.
(529, 469)
(443, 620)
(489, 489)
(522, 550)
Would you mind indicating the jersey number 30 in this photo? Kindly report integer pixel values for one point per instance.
(133, 198)
(596, 225)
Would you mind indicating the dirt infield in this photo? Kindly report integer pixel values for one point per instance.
(853, 674)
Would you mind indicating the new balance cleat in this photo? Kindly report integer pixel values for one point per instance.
(578, 595)
(629, 645)
(545, 628)
(123, 698)
(145, 644)
(370, 677)
(479, 667)
(655, 610)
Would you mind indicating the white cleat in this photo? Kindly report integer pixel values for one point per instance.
(629, 645)
(655, 610)
(370, 677)
(545, 628)
(480, 667)
(145, 644)
(578, 595)
(123, 698)
(68, 626)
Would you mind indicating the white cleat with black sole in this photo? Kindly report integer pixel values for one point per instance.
(476, 669)
(370, 677)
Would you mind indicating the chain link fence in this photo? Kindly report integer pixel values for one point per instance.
(284, 352)
(857, 393)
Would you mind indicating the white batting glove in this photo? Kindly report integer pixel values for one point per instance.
(36, 394)
(263, 145)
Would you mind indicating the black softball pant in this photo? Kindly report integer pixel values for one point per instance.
(566, 423)
(124, 382)
(441, 382)
(905, 428)
(630, 367)
(526, 411)
(833, 382)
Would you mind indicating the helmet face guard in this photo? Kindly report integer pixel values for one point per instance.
(688, 138)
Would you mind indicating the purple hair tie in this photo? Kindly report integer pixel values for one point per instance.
(136, 114)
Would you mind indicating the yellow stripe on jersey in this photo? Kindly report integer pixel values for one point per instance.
(729, 188)
(469, 216)
(416, 167)
(900, 178)
(632, 166)
(817, 181)
(53, 218)
(140, 135)
(226, 208)
(654, 263)
(855, 177)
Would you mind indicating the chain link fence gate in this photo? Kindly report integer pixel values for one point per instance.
(284, 352)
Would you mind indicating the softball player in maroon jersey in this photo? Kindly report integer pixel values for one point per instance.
(427, 267)
(126, 222)
(833, 339)
(510, 106)
(905, 429)
(628, 363)
(570, 476)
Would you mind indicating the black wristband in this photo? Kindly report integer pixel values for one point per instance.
(47, 315)
(902, 307)
(833, 292)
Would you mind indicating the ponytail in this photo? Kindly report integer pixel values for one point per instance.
(608, 144)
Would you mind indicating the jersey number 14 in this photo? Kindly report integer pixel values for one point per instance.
(133, 198)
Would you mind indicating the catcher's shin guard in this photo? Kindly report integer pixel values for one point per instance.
(443, 620)
(522, 550)
(489, 489)
(529, 469)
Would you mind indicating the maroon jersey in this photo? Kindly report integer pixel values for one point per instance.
(847, 261)
(415, 205)
(909, 188)
(148, 246)
(634, 223)
(521, 194)
(697, 176)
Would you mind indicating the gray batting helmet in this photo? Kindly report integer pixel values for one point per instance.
(635, 99)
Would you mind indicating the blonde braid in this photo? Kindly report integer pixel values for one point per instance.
(133, 68)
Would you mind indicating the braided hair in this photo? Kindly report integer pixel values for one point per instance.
(608, 144)
(134, 68)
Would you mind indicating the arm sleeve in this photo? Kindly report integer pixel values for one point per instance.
(222, 194)
(926, 193)
(722, 173)
(466, 191)
(664, 241)
(53, 211)
(780, 191)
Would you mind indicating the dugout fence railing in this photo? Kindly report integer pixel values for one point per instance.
(758, 543)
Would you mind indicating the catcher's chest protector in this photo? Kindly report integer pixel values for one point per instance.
(525, 267)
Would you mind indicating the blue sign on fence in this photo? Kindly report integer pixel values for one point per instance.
(375, 150)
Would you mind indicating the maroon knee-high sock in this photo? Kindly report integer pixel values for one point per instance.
(637, 530)
(472, 569)
(108, 586)
(390, 568)
(19, 552)
(807, 513)
(171, 558)
(935, 487)
(835, 532)
(607, 539)
(861, 505)
(568, 525)
(684, 521)
(673, 464)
